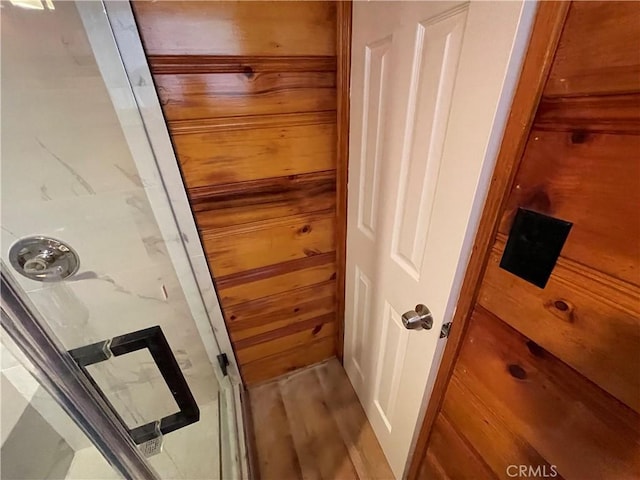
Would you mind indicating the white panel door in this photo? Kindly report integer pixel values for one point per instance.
(430, 88)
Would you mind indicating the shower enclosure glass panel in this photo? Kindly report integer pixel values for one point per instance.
(78, 167)
(59, 449)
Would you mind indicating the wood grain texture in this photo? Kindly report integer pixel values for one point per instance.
(284, 339)
(256, 317)
(195, 96)
(313, 326)
(503, 382)
(364, 450)
(245, 247)
(275, 450)
(280, 283)
(280, 278)
(588, 320)
(593, 181)
(331, 436)
(450, 457)
(343, 42)
(248, 90)
(603, 114)
(233, 156)
(250, 122)
(181, 64)
(263, 199)
(286, 362)
(272, 279)
(545, 35)
(598, 52)
(487, 428)
(236, 28)
(320, 455)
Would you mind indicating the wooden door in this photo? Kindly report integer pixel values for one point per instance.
(424, 76)
(545, 382)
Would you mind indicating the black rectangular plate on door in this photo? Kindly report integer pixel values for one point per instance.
(153, 339)
(534, 245)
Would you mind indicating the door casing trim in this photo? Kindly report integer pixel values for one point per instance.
(343, 77)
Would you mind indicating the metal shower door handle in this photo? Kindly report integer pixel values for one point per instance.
(153, 339)
(418, 319)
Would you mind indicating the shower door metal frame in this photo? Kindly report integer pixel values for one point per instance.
(59, 374)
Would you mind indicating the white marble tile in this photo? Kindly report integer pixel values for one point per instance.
(192, 452)
(77, 165)
(7, 360)
(12, 405)
(135, 387)
(17, 378)
(110, 232)
(66, 140)
(127, 301)
(89, 464)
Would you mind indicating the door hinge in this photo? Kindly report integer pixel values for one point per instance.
(444, 331)
(223, 361)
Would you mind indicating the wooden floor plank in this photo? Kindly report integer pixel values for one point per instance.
(363, 447)
(314, 417)
(276, 452)
(321, 451)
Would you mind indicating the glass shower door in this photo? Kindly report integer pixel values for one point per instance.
(92, 239)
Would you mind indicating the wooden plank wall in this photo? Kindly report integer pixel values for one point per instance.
(550, 378)
(248, 90)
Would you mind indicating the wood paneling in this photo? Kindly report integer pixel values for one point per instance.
(608, 114)
(312, 426)
(598, 52)
(274, 279)
(449, 456)
(276, 341)
(237, 28)
(548, 377)
(482, 428)
(245, 202)
(248, 246)
(174, 64)
(249, 93)
(580, 310)
(288, 361)
(256, 317)
(518, 404)
(592, 180)
(233, 156)
(192, 96)
(249, 122)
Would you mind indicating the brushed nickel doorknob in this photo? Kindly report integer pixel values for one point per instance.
(418, 319)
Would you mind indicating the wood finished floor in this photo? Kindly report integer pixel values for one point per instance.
(310, 425)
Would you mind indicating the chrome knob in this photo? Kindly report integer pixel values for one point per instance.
(43, 259)
(418, 319)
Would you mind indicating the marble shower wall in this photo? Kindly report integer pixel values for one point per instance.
(68, 172)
